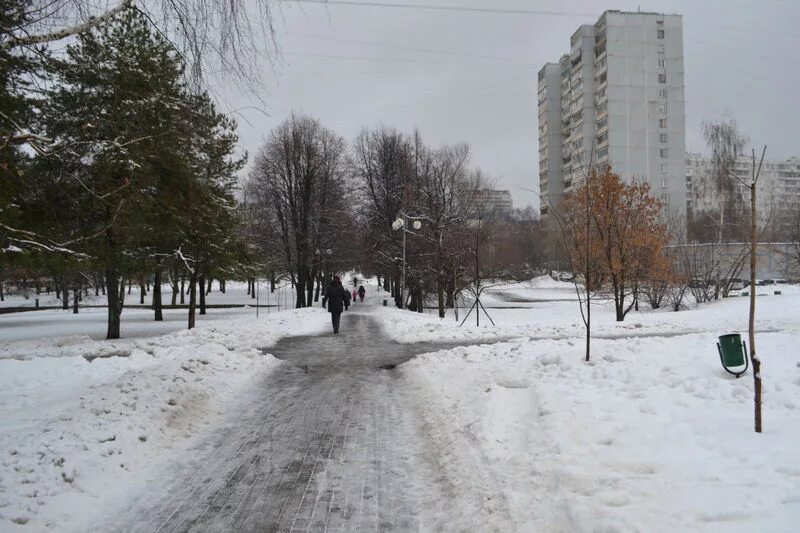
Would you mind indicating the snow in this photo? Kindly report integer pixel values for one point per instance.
(650, 435)
(75, 432)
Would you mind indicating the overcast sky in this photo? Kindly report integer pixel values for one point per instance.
(472, 77)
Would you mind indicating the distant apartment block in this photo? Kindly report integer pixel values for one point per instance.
(496, 201)
(616, 99)
(778, 198)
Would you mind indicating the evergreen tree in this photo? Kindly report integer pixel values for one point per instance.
(121, 87)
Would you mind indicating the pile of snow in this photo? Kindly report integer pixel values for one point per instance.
(651, 435)
(75, 431)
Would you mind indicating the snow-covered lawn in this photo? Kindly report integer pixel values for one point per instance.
(75, 433)
(651, 435)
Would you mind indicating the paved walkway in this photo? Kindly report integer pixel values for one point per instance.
(329, 443)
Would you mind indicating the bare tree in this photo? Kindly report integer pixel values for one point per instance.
(298, 181)
(752, 185)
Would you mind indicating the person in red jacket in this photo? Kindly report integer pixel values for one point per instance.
(354, 296)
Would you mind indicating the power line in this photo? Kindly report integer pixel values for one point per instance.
(406, 60)
(409, 48)
(462, 9)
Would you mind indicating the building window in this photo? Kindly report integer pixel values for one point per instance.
(662, 92)
(602, 153)
(662, 123)
(662, 63)
(602, 123)
(662, 108)
(662, 137)
(664, 168)
(663, 183)
(663, 152)
(661, 49)
(660, 34)
(662, 78)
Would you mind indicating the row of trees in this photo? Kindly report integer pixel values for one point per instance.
(317, 206)
(131, 171)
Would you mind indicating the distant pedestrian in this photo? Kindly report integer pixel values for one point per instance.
(336, 301)
(347, 299)
(361, 292)
(354, 296)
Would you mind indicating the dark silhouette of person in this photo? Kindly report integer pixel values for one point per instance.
(361, 292)
(336, 301)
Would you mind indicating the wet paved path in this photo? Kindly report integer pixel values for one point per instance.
(329, 443)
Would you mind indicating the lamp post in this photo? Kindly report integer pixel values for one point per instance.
(401, 223)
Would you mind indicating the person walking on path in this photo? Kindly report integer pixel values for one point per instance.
(354, 296)
(361, 292)
(336, 300)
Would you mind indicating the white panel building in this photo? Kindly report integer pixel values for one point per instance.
(622, 104)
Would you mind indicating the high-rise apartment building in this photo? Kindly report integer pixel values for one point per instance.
(620, 102)
(778, 198)
(495, 201)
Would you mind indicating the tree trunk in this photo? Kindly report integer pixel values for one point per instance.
(2, 294)
(202, 285)
(130, 283)
(183, 283)
(222, 286)
(75, 297)
(318, 289)
(272, 281)
(751, 333)
(310, 289)
(249, 285)
(440, 295)
(192, 298)
(173, 284)
(157, 307)
(115, 291)
(64, 296)
(300, 299)
(142, 292)
(208, 289)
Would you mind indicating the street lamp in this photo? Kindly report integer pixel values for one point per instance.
(400, 223)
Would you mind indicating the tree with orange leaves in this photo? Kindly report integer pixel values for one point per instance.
(626, 233)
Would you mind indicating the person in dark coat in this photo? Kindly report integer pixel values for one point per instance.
(336, 301)
(361, 292)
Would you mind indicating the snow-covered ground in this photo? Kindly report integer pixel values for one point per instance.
(74, 433)
(651, 435)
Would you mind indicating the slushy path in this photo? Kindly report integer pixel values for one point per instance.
(330, 442)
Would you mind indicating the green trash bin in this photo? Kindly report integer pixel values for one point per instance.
(385, 303)
(733, 353)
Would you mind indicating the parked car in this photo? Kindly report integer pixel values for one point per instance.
(781, 282)
(736, 284)
(769, 282)
(760, 282)
(565, 276)
(698, 284)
